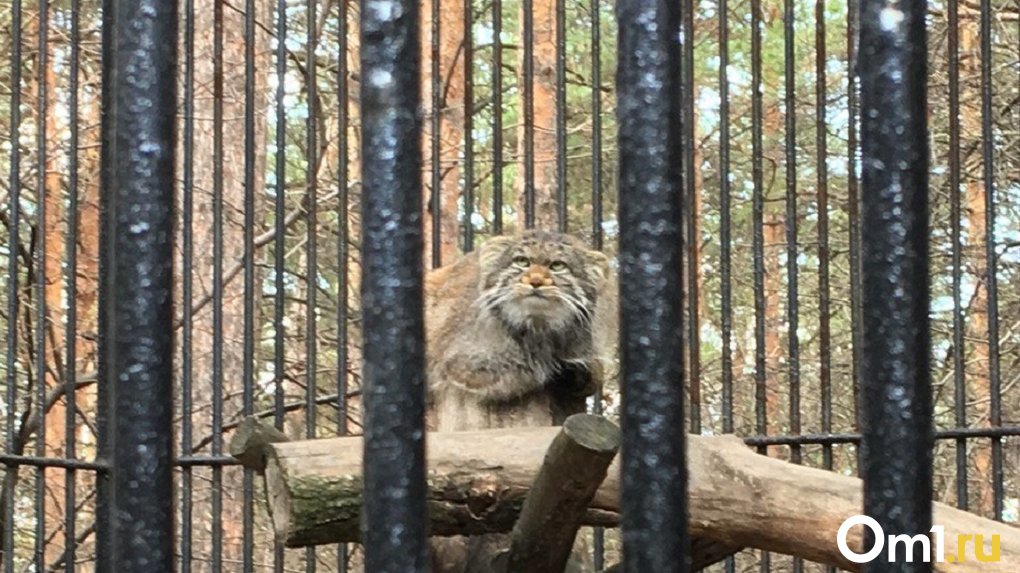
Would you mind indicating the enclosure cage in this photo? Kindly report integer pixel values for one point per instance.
(520, 128)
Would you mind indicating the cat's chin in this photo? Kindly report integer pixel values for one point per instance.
(537, 313)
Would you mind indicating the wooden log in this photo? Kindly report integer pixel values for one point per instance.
(250, 442)
(478, 480)
(572, 471)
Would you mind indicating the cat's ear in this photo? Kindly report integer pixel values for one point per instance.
(493, 249)
(598, 263)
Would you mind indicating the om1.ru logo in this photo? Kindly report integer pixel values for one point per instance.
(962, 540)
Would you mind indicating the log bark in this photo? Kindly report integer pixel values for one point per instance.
(573, 469)
(478, 481)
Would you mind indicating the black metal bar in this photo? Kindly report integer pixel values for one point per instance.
(137, 339)
(597, 235)
(71, 280)
(654, 472)
(497, 117)
(896, 382)
(216, 495)
(991, 259)
(13, 249)
(279, 237)
(14, 460)
(438, 105)
(394, 516)
(853, 209)
(854, 438)
(104, 392)
(280, 213)
(955, 216)
(343, 214)
(596, 130)
(822, 193)
(311, 237)
(343, 230)
(561, 116)
(39, 270)
(1003, 432)
(692, 225)
(790, 157)
(469, 136)
(311, 226)
(187, 286)
(205, 461)
(528, 89)
(248, 367)
(758, 230)
(758, 238)
(725, 237)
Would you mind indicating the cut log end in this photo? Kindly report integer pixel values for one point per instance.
(593, 433)
(251, 442)
(573, 469)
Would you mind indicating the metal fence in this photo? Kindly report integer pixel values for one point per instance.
(820, 223)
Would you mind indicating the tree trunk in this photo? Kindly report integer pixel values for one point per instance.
(55, 232)
(775, 230)
(977, 371)
(230, 90)
(544, 126)
(451, 125)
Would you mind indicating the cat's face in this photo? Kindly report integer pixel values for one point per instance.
(541, 281)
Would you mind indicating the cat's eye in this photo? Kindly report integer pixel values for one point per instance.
(558, 267)
(522, 261)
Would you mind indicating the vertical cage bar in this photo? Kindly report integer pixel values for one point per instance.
(187, 284)
(792, 293)
(597, 235)
(725, 237)
(896, 398)
(436, 86)
(528, 77)
(497, 117)
(279, 236)
(311, 238)
(248, 373)
(217, 292)
(596, 131)
(104, 393)
(758, 246)
(13, 251)
(343, 255)
(725, 270)
(955, 216)
(39, 270)
(137, 342)
(71, 280)
(991, 281)
(469, 136)
(561, 116)
(758, 228)
(654, 472)
(394, 513)
(822, 195)
(692, 225)
(853, 210)
(280, 215)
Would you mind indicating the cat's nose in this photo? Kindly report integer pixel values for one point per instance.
(537, 277)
